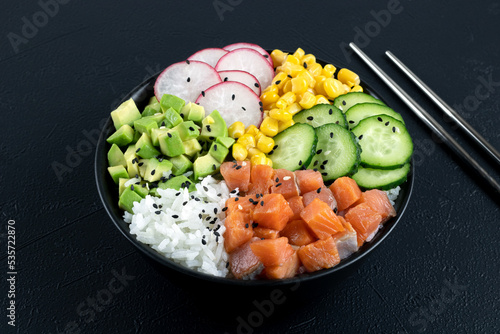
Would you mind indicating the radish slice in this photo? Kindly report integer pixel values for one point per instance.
(250, 61)
(234, 101)
(210, 56)
(186, 80)
(243, 77)
(255, 47)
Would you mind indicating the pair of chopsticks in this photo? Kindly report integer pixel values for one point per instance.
(429, 120)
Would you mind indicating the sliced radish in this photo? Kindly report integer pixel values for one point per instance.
(242, 77)
(250, 61)
(255, 47)
(210, 56)
(186, 80)
(234, 101)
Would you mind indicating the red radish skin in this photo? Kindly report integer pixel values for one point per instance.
(242, 77)
(186, 79)
(210, 56)
(255, 47)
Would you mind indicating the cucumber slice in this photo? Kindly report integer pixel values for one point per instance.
(337, 153)
(384, 179)
(385, 142)
(364, 110)
(346, 101)
(294, 147)
(321, 114)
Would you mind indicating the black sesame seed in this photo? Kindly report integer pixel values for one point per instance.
(163, 123)
(261, 203)
(331, 134)
(188, 79)
(324, 174)
(153, 172)
(386, 123)
(158, 212)
(279, 184)
(305, 65)
(319, 151)
(315, 163)
(169, 135)
(318, 190)
(343, 102)
(379, 119)
(254, 225)
(288, 75)
(137, 150)
(184, 204)
(177, 194)
(214, 167)
(225, 79)
(208, 128)
(244, 108)
(393, 129)
(351, 122)
(324, 162)
(224, 209)
(335, 210)
(203, 93)
(138, 182)
(191, 128)
(277, 179)
(236, 199)
(215, 210)
(315, 169)
(322, 167)
(141, 164)
(227, 264)
(232, 97)
(155, 206)
(211, 138)
(310, 118)
(132, 187)
(300, 162)
(203, 241)
(250, 200)
(208, 218)
(238, 167)
(200, 216)
(330, 111)
(205, 188)
(233, 191)
(277, 82)
(270, 152)
(215, 147)
(175, 216)
(337, 122)
(144, 185)
(360, 137)
(275, 147)
(256, 85)
(187, 62)
(246, 225)
(260, 103)
(136, 176)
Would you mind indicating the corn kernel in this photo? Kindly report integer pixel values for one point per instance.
(258, 159)
(259, 135)
(292, 60)
(315, 69)
(278, 57)
(265, 144)
(246, 141)
(293, 108)
(253, 151)
(308, 77)
(271, 88)
(357, 88)
(287, 87)
(280, 114)
(320, 79)
(299, 53)
(252, 130)
(269, 127)
(285, 125)
(328, 70)
(320, 99)
(346, 88)
(236, 130)
(308, 100)
(268, 98)
(269, 162)
(299, 85)
(289, 97)
(280, 79)
(309, 60)
(239, 152)
(333, 87)
(348, 77)
(291, 68)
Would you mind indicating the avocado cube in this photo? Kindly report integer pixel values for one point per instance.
(152, 109)
(141, 189)
(205, 165)
(153, 100)
(191, 147)
(144, 147)
(155, 169)
(171, 118)
(121, 185)
(123, 136)
(179, 182)
(180, 164)
(170, 101)
(132, 161)
(126, 113)
(218, 151)
(213, 126)
(171, 144)
(137, 136)
(227, 142)
(187, 130)
(145, 124)
(142, 165)
(117, 172)
(127, 199)
(116, 157)
(155, 133)
(193, 112)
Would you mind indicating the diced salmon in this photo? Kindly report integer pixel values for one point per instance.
(297, 205)
(287, 270)
(321, 219)
(308, 180)
(346, 192)
(260, 180)
(238, 230)
(236, 174)
(323, 194)
(346, 241)
(266, 233)
(364, 220)
(272, 211)
(318, 255)
(284, 183)
(298, 233)
(272, 252)
(240, 204)
(379, 202)
(243, 261)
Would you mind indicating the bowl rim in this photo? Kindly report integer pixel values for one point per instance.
(141, 90)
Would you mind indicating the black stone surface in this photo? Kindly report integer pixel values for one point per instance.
(438, 271)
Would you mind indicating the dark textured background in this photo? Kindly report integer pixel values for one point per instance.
(67, 76)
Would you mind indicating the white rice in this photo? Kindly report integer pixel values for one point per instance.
(393, 194)
(171, 225)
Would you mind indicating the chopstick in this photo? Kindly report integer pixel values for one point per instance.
(425, 117)
(446, 108)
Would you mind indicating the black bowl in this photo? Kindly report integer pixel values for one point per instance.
(108, 192)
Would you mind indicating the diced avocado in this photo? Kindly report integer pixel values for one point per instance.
(155, 133)
(118, 172)
(191, 147)
(213, 126)
(187, 130)
(126, 113)
(193, 112)
(116, 157)
(172, 118)
(141, 189)
(137, 135)
(159, 118)
(145, 124)
(148, 111)
(180, 164)
(225, 141)
(171, 144)
(218, 151)
(171, 101)
(132, 161)
(204, 166)
(155, 169)
(179, 182)
(121, 185)
(144, 147)
(123, 136)
(153, 100)
(143, 164)
(127, 199)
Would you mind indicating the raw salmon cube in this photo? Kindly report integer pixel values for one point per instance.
(243, 261)
(238, 230)
(236, 174)
(288, 269)
(240, 204)
(379, 202)
(272, 211)
(266, 233)
(284, 183)
(272, 252)
(346, 192)
(323, 194)
(297, 205)
(321, 219)
(260, 180)
(364, 220)
(308, 180)
(318, 255)
(347, 241)
(298, 233)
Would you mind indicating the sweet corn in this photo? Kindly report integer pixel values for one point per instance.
(265, 144)
(328, 70)
(252, 130)
(269, 127)
(309, 60)
(278, 57)
(239, 152)
(333, 87)
(293, 108)
(315, 69)
(348, 77)
(299, 53)
(280, 79)
(287, 87)
(258, 159)
(285, 125)
(357, 88)
(236, 130)
(246, 141)
(308, 77)
(253, 151)
(280, 114)
(299, 85)
(291, 68)
(292, 60)
(269, 162)
(320, 99)
(318, 87)
(307, 101)
(259, 135)
(271, 88)
(269, 98)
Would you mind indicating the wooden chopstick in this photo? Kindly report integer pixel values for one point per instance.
(426, 118)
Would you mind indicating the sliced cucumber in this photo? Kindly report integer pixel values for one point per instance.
(337, 153)
(384, 179)
(384, 141)
(321, 114)
(294, 147)
(364, 110)
(346, 101)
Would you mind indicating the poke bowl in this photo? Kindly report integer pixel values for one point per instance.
(142, 95)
